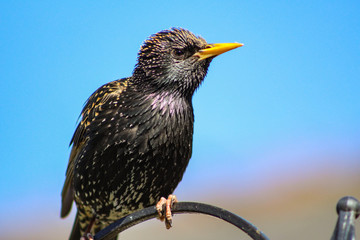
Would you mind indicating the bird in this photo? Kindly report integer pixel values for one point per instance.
(134, 138)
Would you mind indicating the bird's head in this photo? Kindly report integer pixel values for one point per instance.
(176, 60)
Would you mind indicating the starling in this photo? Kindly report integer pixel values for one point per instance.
(134, 140)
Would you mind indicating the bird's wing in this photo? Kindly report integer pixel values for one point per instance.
(89, 113)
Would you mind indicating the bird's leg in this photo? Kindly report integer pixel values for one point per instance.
(87, 235)
(168, 204)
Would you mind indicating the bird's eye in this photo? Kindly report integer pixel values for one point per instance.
(178, 53)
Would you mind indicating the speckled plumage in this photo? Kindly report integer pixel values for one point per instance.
(134, 140)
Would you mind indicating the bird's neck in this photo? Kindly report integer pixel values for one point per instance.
(165, 84)
(162, 99)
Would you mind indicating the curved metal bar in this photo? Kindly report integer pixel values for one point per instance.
(348, 209)
(181, 207)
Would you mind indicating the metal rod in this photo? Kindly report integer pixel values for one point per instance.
(181, 207)
(348, 209)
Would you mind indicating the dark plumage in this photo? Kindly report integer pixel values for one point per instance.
(134, 140)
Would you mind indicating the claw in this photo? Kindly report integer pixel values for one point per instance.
(168, 204)
(87, 236)
(159, 208)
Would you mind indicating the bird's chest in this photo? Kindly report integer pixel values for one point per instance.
(139, 154)
(162, 135)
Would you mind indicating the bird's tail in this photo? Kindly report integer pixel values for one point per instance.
(75, 232)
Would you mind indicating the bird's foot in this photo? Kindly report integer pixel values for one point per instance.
(167, 204)
(87, 236)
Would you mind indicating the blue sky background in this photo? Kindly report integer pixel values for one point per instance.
(284, 105)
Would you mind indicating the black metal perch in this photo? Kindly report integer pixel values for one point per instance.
(348, 209)
(180, 207)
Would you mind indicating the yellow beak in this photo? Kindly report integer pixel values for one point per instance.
(216, 49)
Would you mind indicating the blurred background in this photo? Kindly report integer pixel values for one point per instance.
(277, 130)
